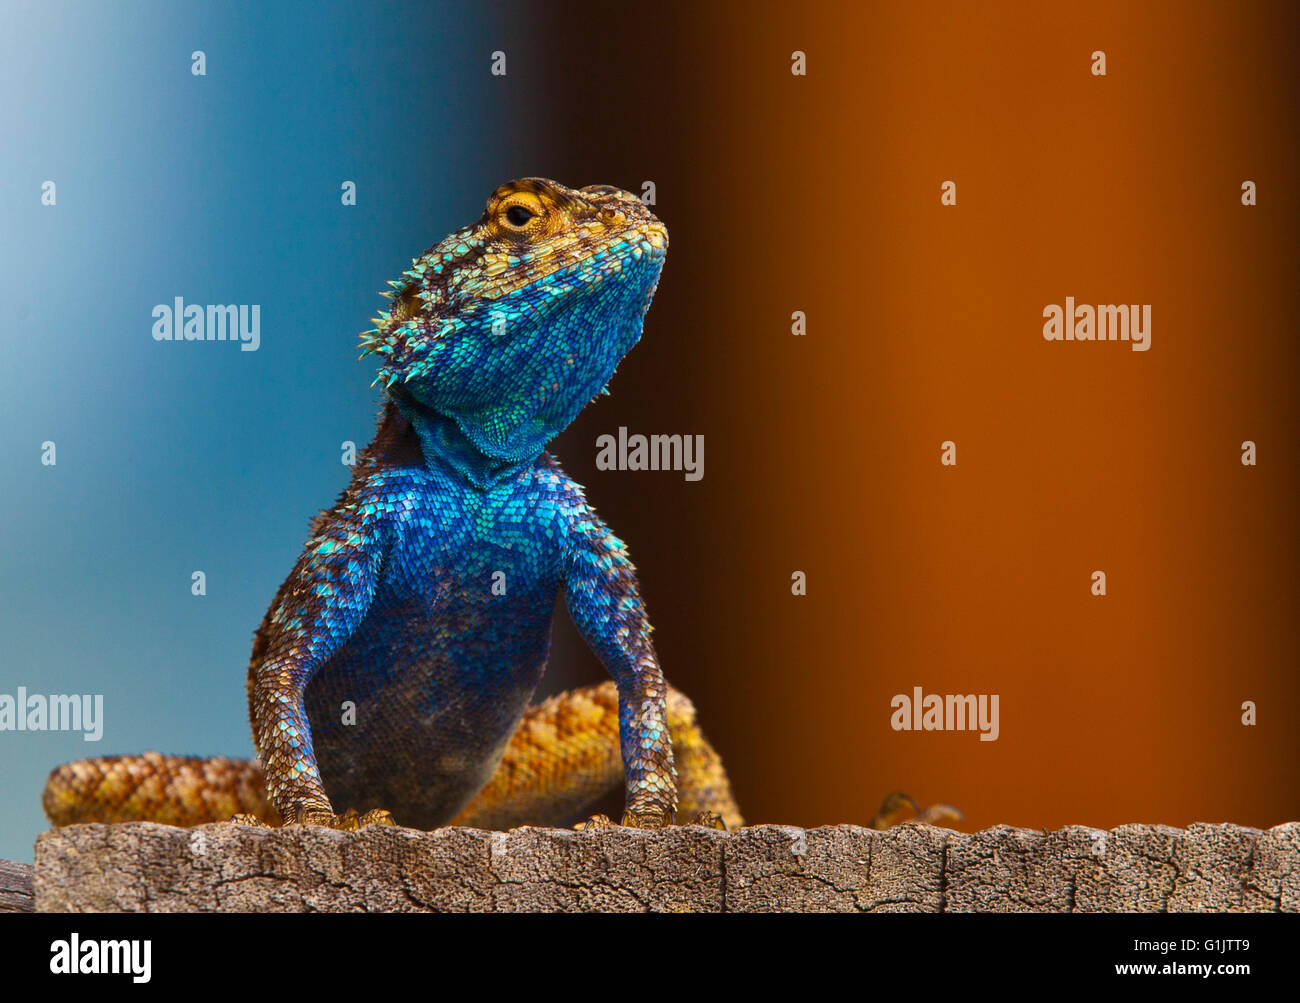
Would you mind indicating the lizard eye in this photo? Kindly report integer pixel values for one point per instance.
(518, 215)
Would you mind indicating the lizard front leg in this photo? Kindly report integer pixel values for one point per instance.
(316, 610)
(600, 589)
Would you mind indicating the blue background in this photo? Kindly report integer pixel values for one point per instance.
(173, 458)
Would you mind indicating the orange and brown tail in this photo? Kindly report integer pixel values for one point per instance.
(562, 759)
(565, 755)
(173, 790)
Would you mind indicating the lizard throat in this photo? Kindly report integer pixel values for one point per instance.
(445, 445)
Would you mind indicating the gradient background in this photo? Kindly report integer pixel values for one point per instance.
(822, 453)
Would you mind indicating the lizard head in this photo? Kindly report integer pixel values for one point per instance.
(511, 325)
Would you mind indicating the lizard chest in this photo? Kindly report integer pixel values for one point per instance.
(472, 554)
(417, 707)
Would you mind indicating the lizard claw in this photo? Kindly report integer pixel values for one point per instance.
(376, 816)
(243, 818)
(595, 822)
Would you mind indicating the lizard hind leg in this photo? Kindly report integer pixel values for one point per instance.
(565, 756)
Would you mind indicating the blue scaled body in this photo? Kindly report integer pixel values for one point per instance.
(400, 654)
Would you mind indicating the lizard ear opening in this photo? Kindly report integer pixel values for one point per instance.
(406, 303)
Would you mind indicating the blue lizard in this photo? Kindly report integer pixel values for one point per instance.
(395, 667)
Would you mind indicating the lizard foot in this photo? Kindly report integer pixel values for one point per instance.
(898, 807)
(648, 818)
(710, 820)
(244, 818)
(349, 821)
(653, 818)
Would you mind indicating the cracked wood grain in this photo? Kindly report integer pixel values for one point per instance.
(765, 868)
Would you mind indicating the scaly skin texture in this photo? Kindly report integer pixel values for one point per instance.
(394, 669)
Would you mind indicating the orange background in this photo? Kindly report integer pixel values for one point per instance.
(822, 194)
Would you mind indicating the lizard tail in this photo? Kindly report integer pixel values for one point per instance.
(565, 757)
(173, 790)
